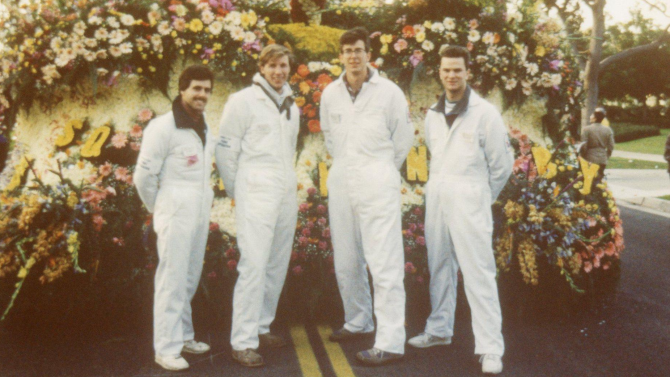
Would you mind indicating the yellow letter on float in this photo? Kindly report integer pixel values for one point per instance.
(323, 178)
(417, 164)
(544, 167)
(68, 132)
(94, 143)
(589, 171)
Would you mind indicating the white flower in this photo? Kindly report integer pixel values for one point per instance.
(181, 10)
(379, 62)
(164, 28)
(50, 72)
(480, 59)
(115, 51)
(207, 17)
(511, 36)
(179, 42)
(157, 42)
(66, 55)
(79, 28)
(216, 27)
(491, 50)
(117, 36)
(526, 87)
(556, 79)
(514, 16)
(111, 21)
(532, 68)
(102, 71)
(437, 27)
(142, 43)
(79, 48)
(314, 66)
(488, 38)
(510, 84)
(234, 18)
(101, 33)
(428, 45)
(127, 20)
(449, 23)
(56, 44)
(91, 42)
(153, 17)
(473, 36)
(451, 35)
(94, 20)
(237, 33)
(89, 56)
(101, 54)
(126, 47)
(249, 37)
(651, 101)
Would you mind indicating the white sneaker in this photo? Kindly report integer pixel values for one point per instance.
(191, 346)
(425, 340)
(171, 362)
(491, 364)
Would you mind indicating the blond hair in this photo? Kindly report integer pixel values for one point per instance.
(272, 52)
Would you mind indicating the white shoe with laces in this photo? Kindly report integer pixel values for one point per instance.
(171, 362)
(425, 340)
(191, 346)
(491, 364)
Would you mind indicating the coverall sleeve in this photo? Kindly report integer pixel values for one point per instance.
(499, 155)
(610, 144)
(426, 131)
(325, 122)
(402, 128)
(153, 151)
(229, 144)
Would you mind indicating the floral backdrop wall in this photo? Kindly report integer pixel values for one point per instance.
(81, 80)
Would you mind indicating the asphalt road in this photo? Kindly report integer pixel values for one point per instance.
(629, 336)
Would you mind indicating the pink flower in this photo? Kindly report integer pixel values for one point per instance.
(418, 211)
(118, 241)
(119, 140)
(135, 146)
(136, 131)
(232, 264)
(213, 227)
(306, 232)
(121, 174)
(326, 233)
(297, 270)
(98, 222)
(145, 115)
(400, 45)
(310, 225)
(409, 268)
(311, 191)
(303, 240)
(416, 58)
(588, 267)
(192, 160)
(323, 245)
(230, 253)
(321, 209)
(93, 196)
(303, 207)
(111, 190)
(474, 24)
(419, 279)
(294, 256)
(211, 275)
(421, 241)
(105, 169)
(412, 227)
(322, 221)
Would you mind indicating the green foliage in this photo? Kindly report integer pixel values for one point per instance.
(653, 145)
(627, 132)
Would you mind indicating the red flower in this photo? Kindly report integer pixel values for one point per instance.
(314, 126)
(213, 227)
(232, 264)
(408, 31)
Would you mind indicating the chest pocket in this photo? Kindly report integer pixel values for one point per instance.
(373, 121)
(188, 156)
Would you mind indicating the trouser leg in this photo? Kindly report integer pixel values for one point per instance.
(280, 256)
(381, 233)
(443, 270)
(256, 224)
(352, 276)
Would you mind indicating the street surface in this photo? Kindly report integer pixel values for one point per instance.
(630, 336)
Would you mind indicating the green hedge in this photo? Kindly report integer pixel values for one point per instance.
(629, 131)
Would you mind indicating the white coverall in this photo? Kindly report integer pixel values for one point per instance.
(255, 157)
(173, 180)
(470, 164)
(368, 139)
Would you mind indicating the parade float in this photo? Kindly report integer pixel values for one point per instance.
(82, 79)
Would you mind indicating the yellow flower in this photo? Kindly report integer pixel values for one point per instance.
(386, 38)
(336, 70)
(72, 199)
(420, 36)
(428, 24)
(304, 87)
(384, 50)
(195, 25)
(248, 19)
(540, 51)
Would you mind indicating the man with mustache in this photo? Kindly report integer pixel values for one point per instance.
(173, 180)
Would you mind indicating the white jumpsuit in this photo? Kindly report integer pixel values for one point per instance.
(470, 164)
(255, 157)
(368, 139)
(173, 180)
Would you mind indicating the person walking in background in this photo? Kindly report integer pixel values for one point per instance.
(255, 157)
(471, 163)
(365, 121)
(598, 142)
(173, 181)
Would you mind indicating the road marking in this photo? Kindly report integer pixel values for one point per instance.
(306, 358)
(337, 358)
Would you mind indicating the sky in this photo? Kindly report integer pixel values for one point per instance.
(619, 11)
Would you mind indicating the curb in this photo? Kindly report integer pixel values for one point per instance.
(650, 202)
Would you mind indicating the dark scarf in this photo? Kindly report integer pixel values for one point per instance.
(460, 107)
(184, 121)
(286, 105)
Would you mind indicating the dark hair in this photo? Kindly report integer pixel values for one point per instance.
(195, 72)
(448, 51)
(599, 115)
(354, 35)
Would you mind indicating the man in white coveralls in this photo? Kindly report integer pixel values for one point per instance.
(173, 180)
(364, 118)
(255, 157)
(470, 164)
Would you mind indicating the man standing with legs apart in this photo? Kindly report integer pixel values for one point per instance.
(364, 118)
(255, 157)
(471, 162)
(172, 177)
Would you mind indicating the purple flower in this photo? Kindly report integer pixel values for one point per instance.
(555, 64)
(207, 54)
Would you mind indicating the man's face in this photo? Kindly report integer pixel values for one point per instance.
(195, 97)
(354, 57)
(453, 74)
(276, 71)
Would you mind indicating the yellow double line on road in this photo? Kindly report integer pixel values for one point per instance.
(309, 364)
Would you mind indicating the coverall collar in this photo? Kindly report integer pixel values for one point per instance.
(460, 107)
(184, 121)
(283, 101)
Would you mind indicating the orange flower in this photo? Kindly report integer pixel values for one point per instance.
(309, 111)
(303, 70)
(314, 126)
(496, 38)
(316, 97)
(323, 80)
(408, 31)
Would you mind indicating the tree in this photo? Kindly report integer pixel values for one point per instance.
(591, 59)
